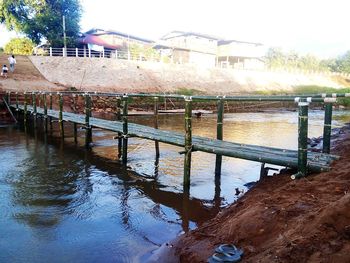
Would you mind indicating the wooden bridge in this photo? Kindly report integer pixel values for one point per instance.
(302, 159)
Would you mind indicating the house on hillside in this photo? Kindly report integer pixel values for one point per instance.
(240, 54)
(111, 42)
(189, 48)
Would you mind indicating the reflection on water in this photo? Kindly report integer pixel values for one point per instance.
(60, 203)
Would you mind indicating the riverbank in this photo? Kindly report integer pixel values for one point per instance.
(282, 220)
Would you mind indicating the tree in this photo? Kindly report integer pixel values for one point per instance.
(275, 58)
(40, 19)
(343, 63)
(19, 46)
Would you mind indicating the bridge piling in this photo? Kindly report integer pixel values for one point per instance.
(88, 132)
(75, 131)
(156, 109)
(60, 115)
(327, 128)
(219, 135)
(25, 111)
(45, 114)
(125, 129)
(302, 140)
(50, 106)
(188, 141)
(119, 118)
(34, 109)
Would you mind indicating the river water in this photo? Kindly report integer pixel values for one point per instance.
(62, 203)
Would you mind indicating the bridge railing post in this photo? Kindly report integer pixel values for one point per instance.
(302, 139)
(327, 128)
(88, 132)
(188, 141)
(125, 129)
(60, 115)
(219, 134)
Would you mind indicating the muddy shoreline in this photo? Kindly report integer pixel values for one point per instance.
(279, 219)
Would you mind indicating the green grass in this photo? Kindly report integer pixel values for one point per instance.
(188, 92)
(310, 89)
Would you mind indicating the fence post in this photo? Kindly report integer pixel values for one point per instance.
(219, 134)
(103, 52)
(125, 129)
(63, 52)
(116, 54)
(76, 52)
(50, 51)
(88, 132)
(327, 128)
(188, 141)
(302, 139)
(60, 115)
(89, 52)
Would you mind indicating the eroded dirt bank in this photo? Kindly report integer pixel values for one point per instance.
(281, 220)
(103, 74)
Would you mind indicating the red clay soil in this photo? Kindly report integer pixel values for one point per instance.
(282, 220)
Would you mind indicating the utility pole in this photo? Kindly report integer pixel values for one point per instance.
(64, 36)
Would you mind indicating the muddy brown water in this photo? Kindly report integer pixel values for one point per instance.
(61, 203)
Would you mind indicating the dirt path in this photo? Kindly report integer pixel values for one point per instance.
(26, 77)
(281, 220)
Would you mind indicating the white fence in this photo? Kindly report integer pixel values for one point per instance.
(87, 52)
(138, 56)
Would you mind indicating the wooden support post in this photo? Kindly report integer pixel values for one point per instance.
(45, 113)
(119, 118)
(34, 108)
(88, 132)
(75, 128)
(17, 109)
(60, 115)
(125, 129)
(9, 98)
(302, 140)
(188, 141)
(327, 128)
(156, 109)
(50, 107)
(25, 111)
(219, 134)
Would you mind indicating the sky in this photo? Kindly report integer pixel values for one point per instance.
(305, 26)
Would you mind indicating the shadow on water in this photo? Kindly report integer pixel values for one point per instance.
(56, 191)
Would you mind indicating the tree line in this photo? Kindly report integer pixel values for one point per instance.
(277, 59)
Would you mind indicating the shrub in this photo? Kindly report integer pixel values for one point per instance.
(19, 46)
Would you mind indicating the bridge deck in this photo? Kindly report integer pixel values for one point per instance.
(316, 161)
